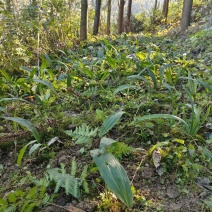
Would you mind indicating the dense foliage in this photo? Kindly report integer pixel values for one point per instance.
(72, 113)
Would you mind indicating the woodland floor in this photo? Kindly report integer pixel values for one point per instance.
(152, 192)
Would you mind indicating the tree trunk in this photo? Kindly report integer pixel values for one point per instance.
(156, 4)
(129, 11)
(97, 17)
(165, 9)
(108, 16)
(186, 15)
(120, 17)
(154, 12)
(84, 20)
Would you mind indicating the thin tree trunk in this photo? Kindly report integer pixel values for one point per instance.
(121, 16)
(156, 4)
(129, 11)
(165, 9)
(108, 16)
(154, 12)
(84, 20)
(186, 15)
(97, 17)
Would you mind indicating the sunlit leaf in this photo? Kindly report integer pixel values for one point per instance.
(123, 87)
(106, 142)
(22, 151)
(2, 109)
(34, 148)
(48, 84)
(109, 123)
(6, 75)
(115, 177)
(165, 116)
(26, 124)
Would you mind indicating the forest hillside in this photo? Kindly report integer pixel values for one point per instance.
(101, 115)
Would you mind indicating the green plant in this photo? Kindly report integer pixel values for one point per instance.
(27, 124)
(110, 169)
(191, 125)
(67, 181)
(33, 198)
(22, 151)
(120, 149)
(109, 123)
(112, 172)
(208, 202)
(83, 134)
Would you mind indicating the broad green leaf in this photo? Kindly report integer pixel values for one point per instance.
(152, 75)
(109, 123)
(170, 88)
(162, 69)
(111, 61)
(123, 87)
(205, 84)
(165, 116)
(2, 109)
(88, 72)
(26, 68)
(48, 84)
(115, 177)
(34, 148)
(96, 152)
(26, 124)
(106, 142)
(6, 75)
(207, 153)
(13, 99)
(22, 151)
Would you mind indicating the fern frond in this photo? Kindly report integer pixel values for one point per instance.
(11, 208)
(67, 186)
(208, 202)
(42, 191)
(85, 186)
(46, 199)
(29, 207)
(84, 173)
(58, 185)
(90, 92)
(63, 170)
(76, 188)
(65, 181)
(82, 134)
(73, 167)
